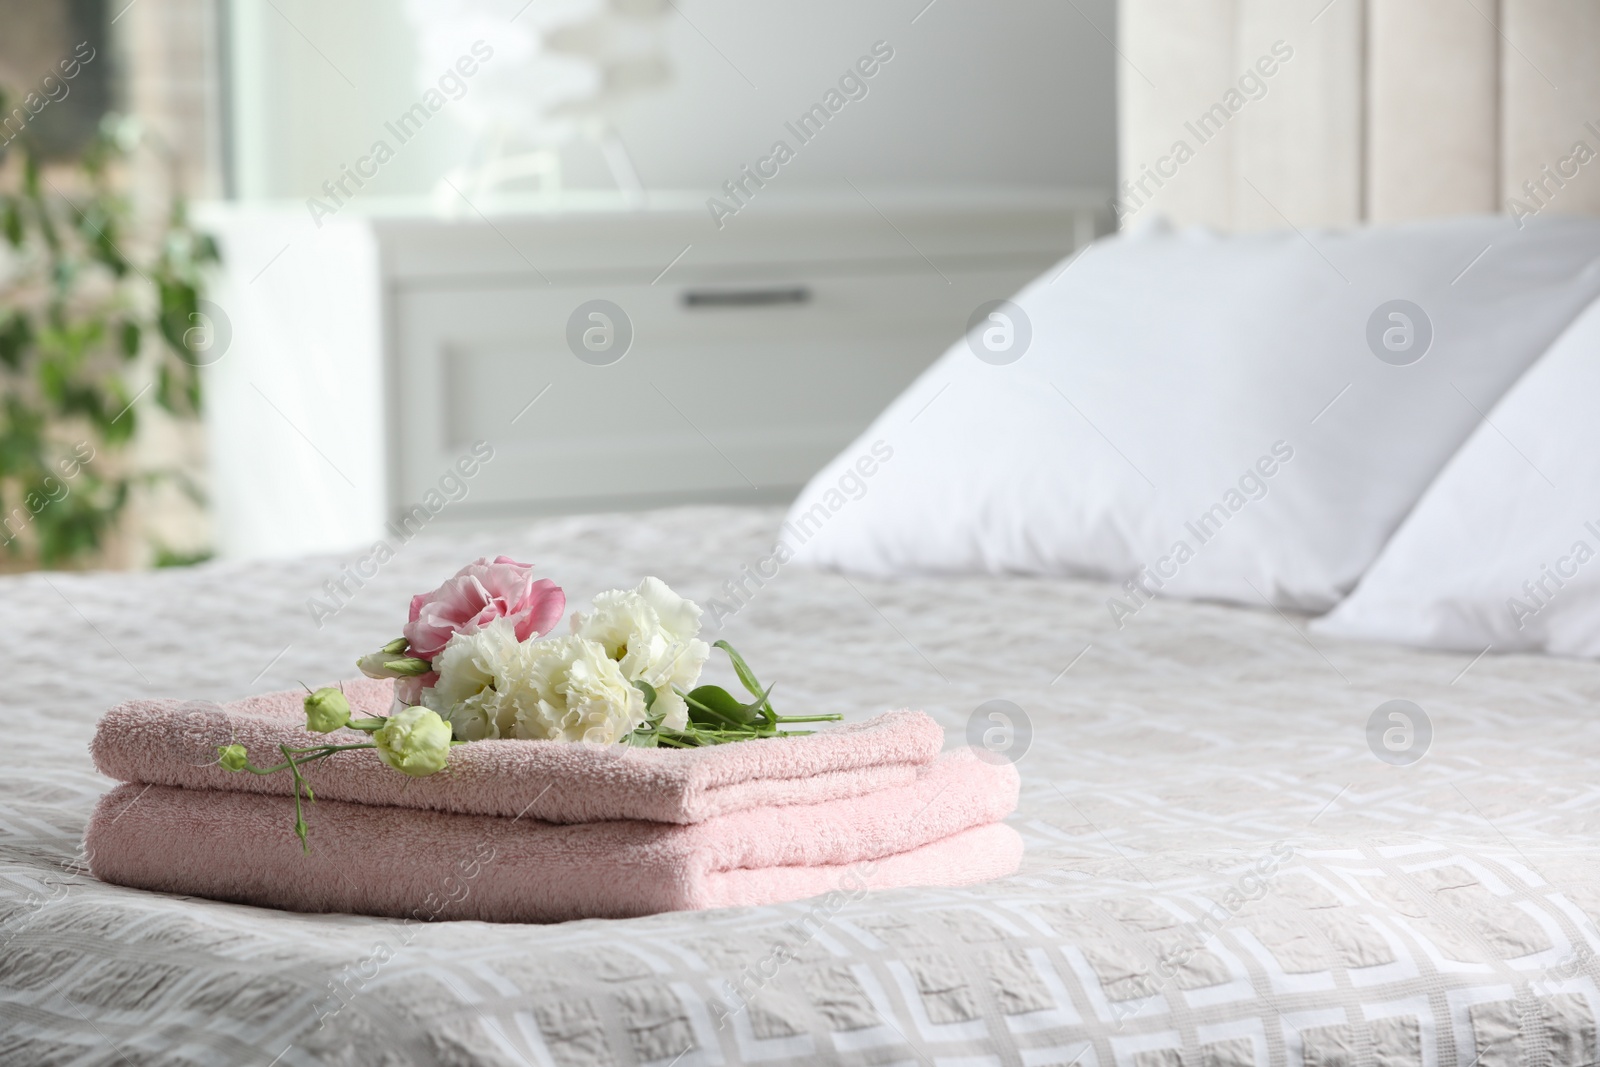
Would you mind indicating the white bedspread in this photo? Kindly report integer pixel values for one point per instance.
(1436, 914)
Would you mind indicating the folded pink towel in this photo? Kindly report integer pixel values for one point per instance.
(169, 742)
(941, 829)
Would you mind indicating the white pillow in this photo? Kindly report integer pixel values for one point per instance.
(1170, 377)
(1503, 550)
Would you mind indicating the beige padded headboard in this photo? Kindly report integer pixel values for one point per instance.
(1250, 114)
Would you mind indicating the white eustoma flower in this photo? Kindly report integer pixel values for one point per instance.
(652, 634)
(563, 689)
(472, 671)
(570, 690)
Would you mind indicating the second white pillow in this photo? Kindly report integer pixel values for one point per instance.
(1503, 550)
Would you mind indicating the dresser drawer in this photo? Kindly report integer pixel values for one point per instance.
(734, 388)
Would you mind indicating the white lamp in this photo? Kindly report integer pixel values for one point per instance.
(560, 72)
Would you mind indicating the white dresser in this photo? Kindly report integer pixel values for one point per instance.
(612, 356)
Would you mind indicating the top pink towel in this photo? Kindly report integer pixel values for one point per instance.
(170, 742)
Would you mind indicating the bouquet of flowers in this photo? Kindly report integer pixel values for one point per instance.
(475, 662)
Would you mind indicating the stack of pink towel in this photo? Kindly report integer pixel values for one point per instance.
(533, 831)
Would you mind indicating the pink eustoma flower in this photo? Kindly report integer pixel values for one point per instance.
(479, 593)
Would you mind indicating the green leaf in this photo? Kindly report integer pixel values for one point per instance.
(98, 229)
(30, 176)
(169, 557)
(16, 334)
(130, 337)
(648, 733)
(712, 705)
(747, 678)
(118, 418)
(11, 222)
(649, 692)
(165, 390)
(179, 304)
(191, 390)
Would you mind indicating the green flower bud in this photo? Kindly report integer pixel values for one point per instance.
(383, 664)
(326, 710)
(232, 757)
(414, 741)
(395, 647)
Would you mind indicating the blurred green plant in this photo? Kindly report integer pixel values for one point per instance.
(93, 298)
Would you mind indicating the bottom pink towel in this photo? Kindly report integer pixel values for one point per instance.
(943, 829)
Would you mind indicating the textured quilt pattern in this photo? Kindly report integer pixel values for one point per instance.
(1221, 870)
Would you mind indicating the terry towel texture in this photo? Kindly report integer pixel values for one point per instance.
(170, 742)
(940, 829)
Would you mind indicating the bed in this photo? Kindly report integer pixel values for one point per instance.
(1220, 870)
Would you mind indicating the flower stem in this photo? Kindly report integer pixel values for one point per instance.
(318, 752)
(299, 782)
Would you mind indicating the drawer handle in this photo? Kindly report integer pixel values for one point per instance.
(746, 298)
